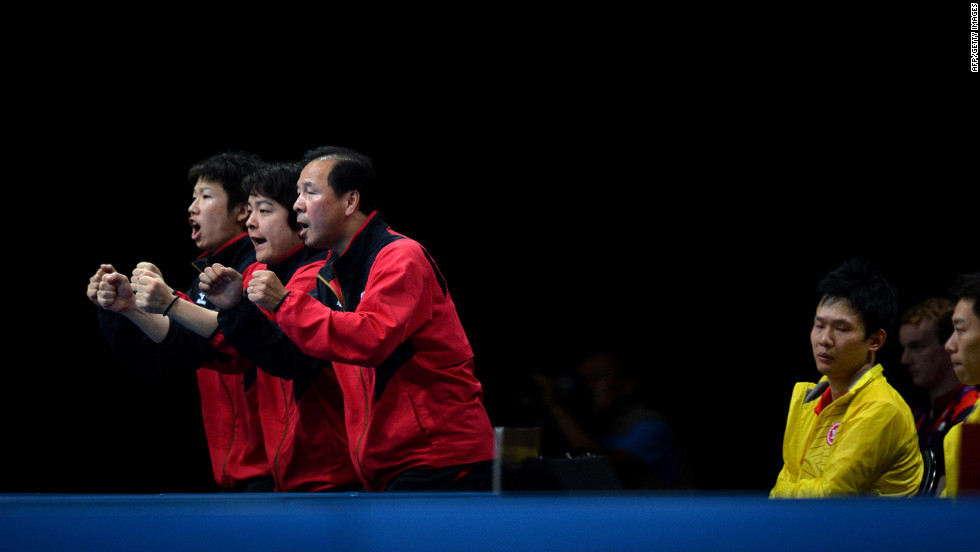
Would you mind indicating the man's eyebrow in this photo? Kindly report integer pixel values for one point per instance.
(819, 318)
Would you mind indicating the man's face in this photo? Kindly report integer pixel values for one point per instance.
(964, 345)
(604, 382)
(839, 345)
(923, 354)
(320, 212)
(268, 227)
(211, 224)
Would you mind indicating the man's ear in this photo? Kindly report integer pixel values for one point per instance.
(241, 213)
(877, 340)
(352, 202)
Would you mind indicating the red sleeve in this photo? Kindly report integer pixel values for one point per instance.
(219, 343)
(396, 302)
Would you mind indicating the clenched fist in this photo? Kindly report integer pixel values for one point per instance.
(265, 289)
(115, 293)
(222, 285)
(153, 295)
(92, 292)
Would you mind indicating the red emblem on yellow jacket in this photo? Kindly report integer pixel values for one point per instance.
(832, 434)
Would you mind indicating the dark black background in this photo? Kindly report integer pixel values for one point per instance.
(669, 190)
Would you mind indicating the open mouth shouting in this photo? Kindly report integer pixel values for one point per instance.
(195, 230)
(257, 241)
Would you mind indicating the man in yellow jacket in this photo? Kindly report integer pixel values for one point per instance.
(851, 433)
(964, 351)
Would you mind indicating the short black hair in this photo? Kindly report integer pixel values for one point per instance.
(229, 169)
(276, 181)
(873, 297)
(967, 286)
(353, 171)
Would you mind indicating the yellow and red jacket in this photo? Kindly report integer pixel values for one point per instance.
(862, 443)
(951, 449)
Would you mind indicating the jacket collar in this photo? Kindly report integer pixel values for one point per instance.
(232, 249)
(821, 387)
(296, 258)
(872, 374)
(360, 245)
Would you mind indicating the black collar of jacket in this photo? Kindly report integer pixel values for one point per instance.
(372, 236)
(352, 268)
(238, 253)
(303, 256)
(816, 392)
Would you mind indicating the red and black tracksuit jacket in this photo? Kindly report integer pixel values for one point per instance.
(302, 413)
(382, 314)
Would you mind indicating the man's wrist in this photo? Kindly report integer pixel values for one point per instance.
(171, 305)
(281, 301)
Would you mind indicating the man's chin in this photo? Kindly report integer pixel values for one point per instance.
(824, 368)
(965, 376)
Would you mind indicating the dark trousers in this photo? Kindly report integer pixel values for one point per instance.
(254, 485)
(467, 477)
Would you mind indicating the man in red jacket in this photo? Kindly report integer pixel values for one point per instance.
(147, 343)
(302, 417)
(382, 314)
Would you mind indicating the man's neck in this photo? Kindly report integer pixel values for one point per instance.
(351, 226)
(944, 387)
(839, 387)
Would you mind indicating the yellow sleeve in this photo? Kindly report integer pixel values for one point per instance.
(784, 484)
(791, 445)
(951, 453)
